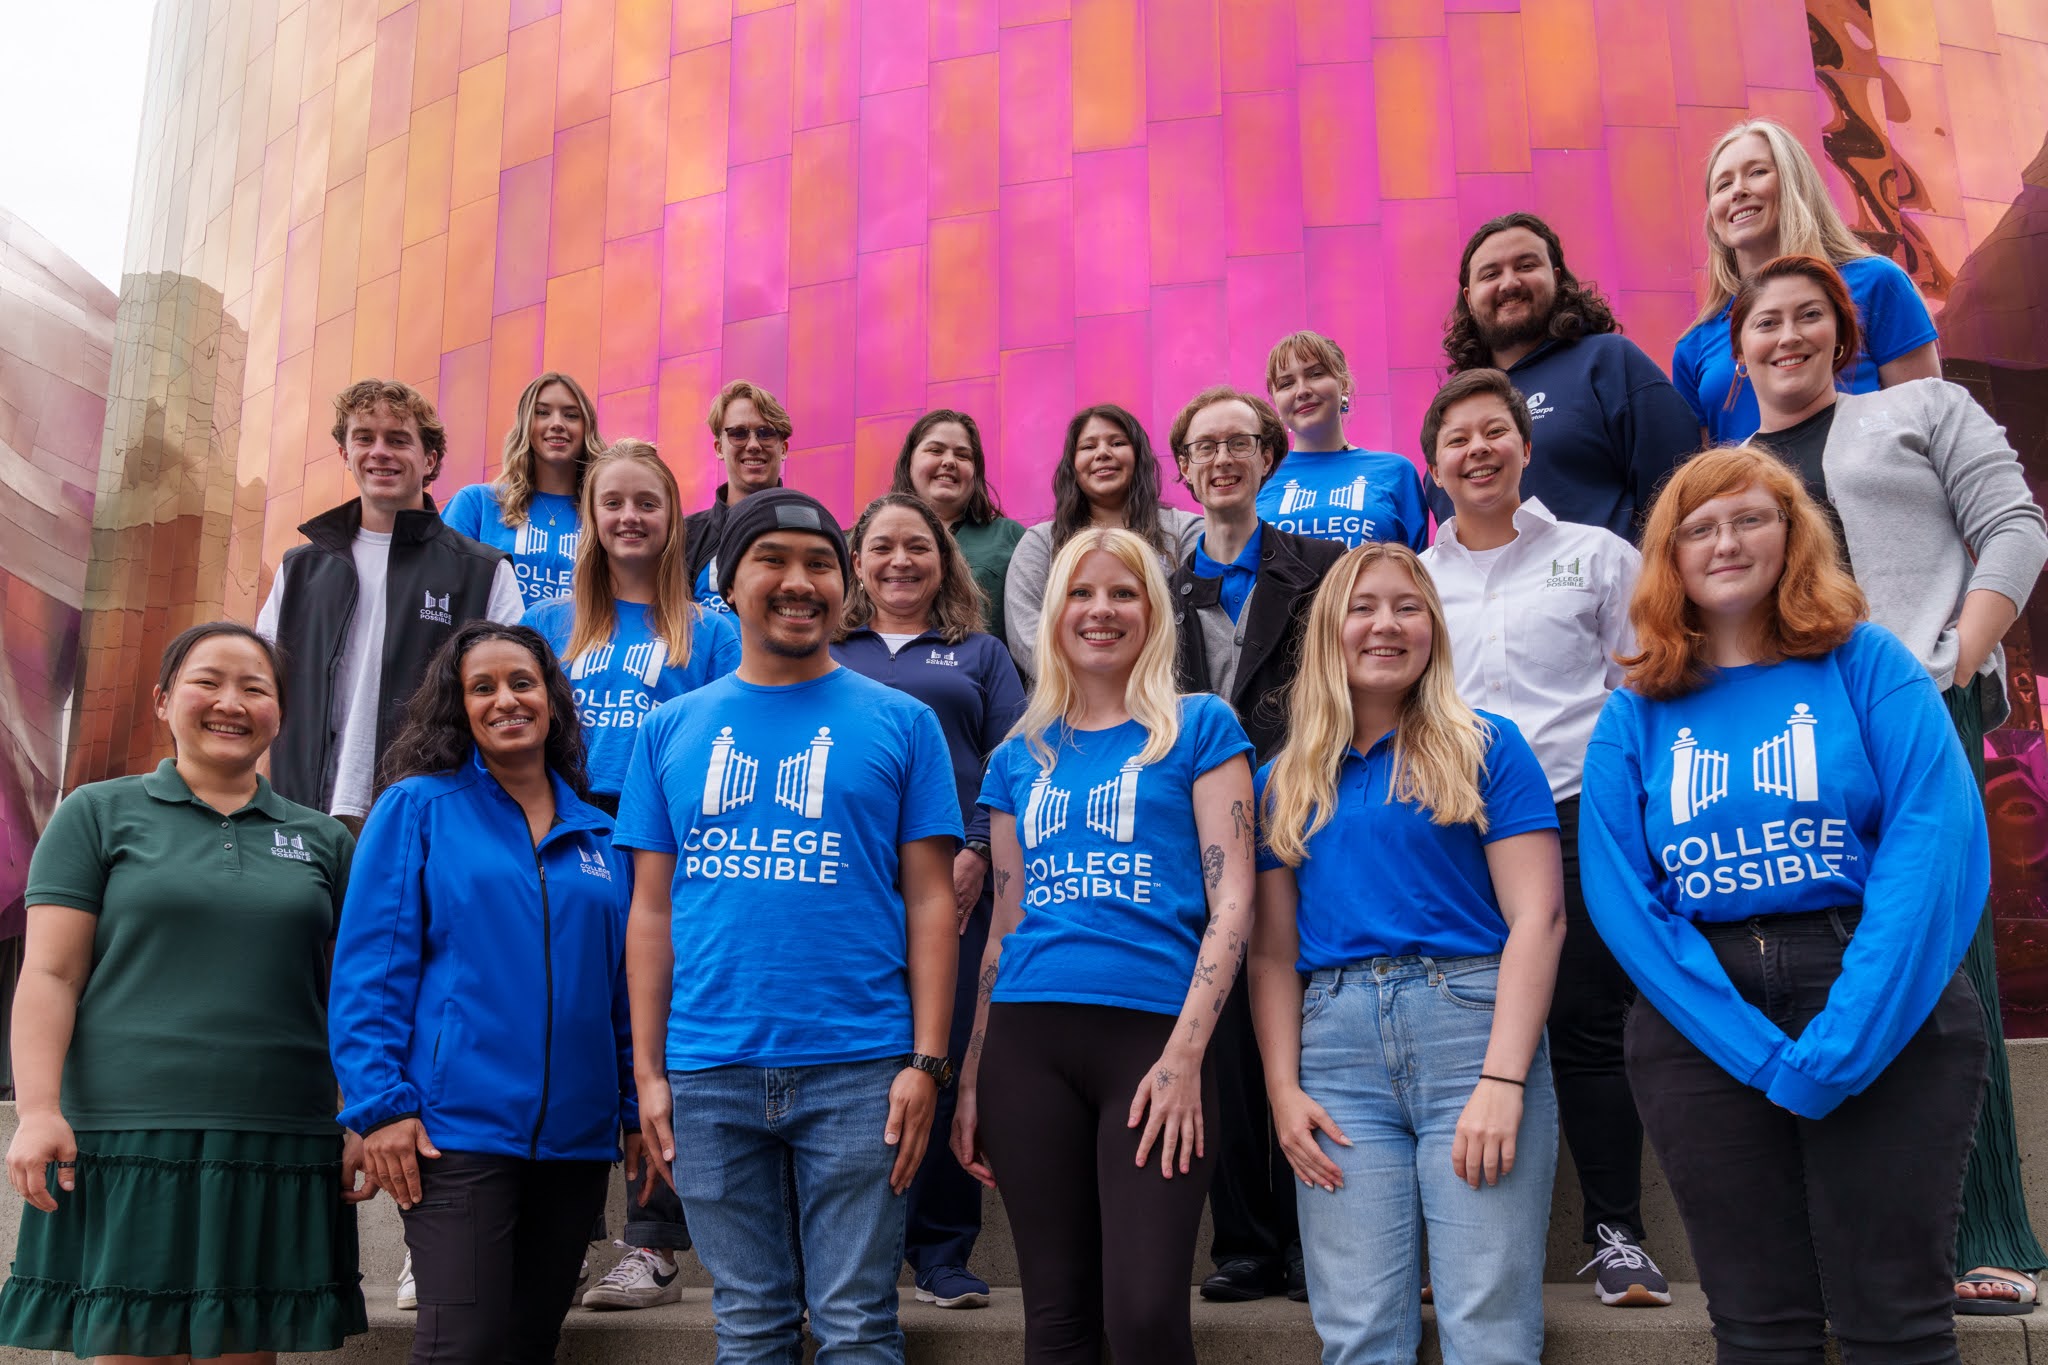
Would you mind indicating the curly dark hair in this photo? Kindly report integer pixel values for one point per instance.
(1578, 311)
(436, 737)
(1071, 513)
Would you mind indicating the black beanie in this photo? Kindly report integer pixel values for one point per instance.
(775, 509)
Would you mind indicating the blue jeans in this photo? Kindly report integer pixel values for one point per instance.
(1392, 1049)
(743, 1135)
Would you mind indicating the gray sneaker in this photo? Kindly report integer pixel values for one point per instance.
(1628, 1278)
(641, 1279)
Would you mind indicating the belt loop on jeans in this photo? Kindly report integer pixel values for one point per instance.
(1431, 972)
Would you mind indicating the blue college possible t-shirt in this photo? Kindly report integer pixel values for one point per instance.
(620, 682)
(543, 549)
(1889, 309)
(1351, 496)
(1114, 905)
(785, 808)
(706, 589)
(1382, 880)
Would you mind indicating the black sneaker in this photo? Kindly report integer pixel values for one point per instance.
(1628, 1278)
(1239, 1280)
(1297, 1279)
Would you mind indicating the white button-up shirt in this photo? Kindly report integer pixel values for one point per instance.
(1534, 629)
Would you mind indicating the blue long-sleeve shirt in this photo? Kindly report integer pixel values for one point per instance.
(1783, 789)
(972, 687)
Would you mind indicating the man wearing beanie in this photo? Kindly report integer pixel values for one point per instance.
(790, 1003)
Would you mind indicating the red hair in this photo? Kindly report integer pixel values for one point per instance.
(1814, 607)
(1848, 334)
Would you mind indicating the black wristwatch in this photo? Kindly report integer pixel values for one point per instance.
(979, 847)
(938, 1068)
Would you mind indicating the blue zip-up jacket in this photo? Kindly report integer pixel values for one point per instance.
(480, 982)
(1606, 427)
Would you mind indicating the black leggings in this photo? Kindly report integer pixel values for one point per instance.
(1103, 1246)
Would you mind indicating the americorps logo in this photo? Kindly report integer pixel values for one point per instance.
(1538, 406)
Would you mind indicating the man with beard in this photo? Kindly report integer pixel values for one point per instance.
(1608, 423)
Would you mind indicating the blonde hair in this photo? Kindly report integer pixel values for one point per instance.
(1149, 694)
(1307, 348)
(674, 612)
(1808, 224)
(1439, 741)
(514, 486)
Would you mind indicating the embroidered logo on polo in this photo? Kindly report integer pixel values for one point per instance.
(1778, 852)
(1565, 573)
(590, 862)
(1539, 405)
(1110, 809)
(292, 846)
(945, 660)
(758, 852)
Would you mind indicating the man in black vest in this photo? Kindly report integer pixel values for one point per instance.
(1241, 601)
(362, 607)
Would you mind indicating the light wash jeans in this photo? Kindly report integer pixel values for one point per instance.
(745, 1136)
(1392, 1049)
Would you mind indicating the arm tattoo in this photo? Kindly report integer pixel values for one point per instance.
(1205, 973)
(1212, 865)
(974, 1047)
(1002, 880)
(987, 986)
(1241, 821)
(1164, 1078)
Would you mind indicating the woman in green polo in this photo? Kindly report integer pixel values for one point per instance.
(187, 1182)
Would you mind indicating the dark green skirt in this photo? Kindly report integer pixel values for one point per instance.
(186, 1241)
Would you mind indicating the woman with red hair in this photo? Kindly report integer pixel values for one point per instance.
(1779, 843)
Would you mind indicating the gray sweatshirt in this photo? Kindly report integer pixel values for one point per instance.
(1934, 506)
(1024, 589)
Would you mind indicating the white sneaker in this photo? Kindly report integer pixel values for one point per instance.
(408, 1293)
(642, 1279)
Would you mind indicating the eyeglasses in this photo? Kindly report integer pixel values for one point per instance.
(1205, 450)
(1746, 526)
(767, 436)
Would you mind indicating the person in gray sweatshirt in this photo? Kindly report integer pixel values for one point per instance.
(1946, 541)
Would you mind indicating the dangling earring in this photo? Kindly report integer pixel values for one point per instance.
(1344, 405)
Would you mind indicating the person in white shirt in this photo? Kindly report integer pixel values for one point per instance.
(1538, 610)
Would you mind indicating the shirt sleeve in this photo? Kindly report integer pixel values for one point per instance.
(344, 859)
(1894, 316)
(1670, 961)
(1685, 377)
(622, 1011)
(931, 804)
(1414, 509)
(1024, 594)
(377, 958)
(1266, 862)
(507, 607)
(995, 782)
(554, 619)
(1988, 495)
(266, 616)
(1218, 734)
(1617, 633)
(643, 819)
(464, 512)
(70, 863)
(1516, 792)
(1002, 702)
(1658, 429)
(1923, 892)
(725, 644)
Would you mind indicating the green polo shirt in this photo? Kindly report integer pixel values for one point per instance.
(988, 549)
(206, 1007)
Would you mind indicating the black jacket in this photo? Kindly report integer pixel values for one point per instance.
(1291, 568)
(438, 579)
(702, 531)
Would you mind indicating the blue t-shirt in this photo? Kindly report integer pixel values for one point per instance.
(1889, 309)
(1114, 905)
(1238, 575)
(1800, 786)
(785, 808)
(706, 589)
(619, 683)
(1351, 496)
(543, 550)
(1381, 880)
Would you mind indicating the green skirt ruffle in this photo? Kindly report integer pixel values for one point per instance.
(189, 1242)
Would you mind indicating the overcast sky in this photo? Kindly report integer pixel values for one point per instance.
(71, 102)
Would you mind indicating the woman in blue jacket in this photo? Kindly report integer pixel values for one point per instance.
(913, 621)
(1781, 843)
(478, 1019)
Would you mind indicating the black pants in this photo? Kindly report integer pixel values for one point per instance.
(1104, 1247)
(497, 1244)
(1799, 1225)
(943, 1220)
(1251, 1202)
(1595, 1107)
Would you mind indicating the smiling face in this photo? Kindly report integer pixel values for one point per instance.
(222, 707)
(1104, 461)
(633, 515)
(1309, 396)
(787, 592)
(1511, 288)
(899, 564)
(1788, 345)
(1729, 573)
(1480, 457)
(382, 449)
(1227, 481)
(1386, 633)
(942, 470)
(558, 427)
(1105, 617)
(506, 700)
(752, 461)
(1742, 196)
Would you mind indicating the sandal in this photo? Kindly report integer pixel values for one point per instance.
(2023, 1288)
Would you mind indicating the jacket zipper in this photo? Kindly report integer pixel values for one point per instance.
(547, 957)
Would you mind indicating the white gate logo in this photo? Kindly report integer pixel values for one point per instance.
(1351, 496)
(730, 776)
(1699, 777)
(596, 659)
(1787, 764)
(531, 540)
(1045, 811)
(1295, 498)
(1111, 809)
